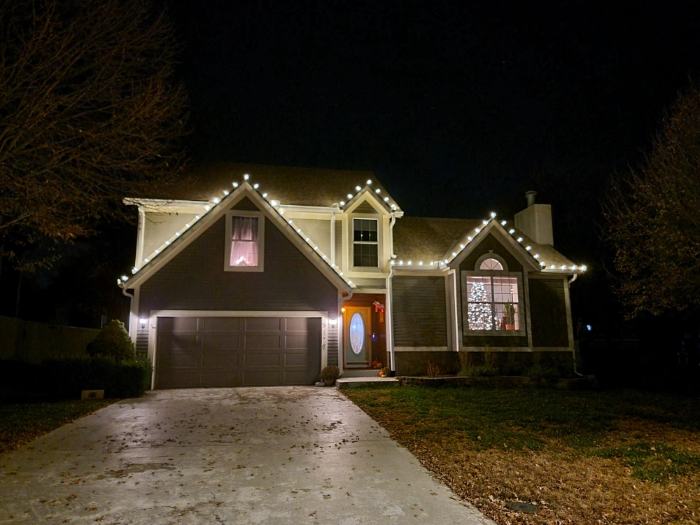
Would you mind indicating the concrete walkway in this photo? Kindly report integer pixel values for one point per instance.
(287, 455)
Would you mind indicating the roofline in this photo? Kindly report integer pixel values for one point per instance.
(220, 208)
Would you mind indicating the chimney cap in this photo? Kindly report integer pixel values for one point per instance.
(530, 196)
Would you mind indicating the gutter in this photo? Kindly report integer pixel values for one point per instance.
(389, 299)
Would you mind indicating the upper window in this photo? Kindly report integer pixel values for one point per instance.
(365, 245)
(490, 264)
(244, 249)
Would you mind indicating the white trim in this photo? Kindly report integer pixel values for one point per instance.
(362, 270)
(243, 190)
(518, 250)
(379, 205)
(261, 241)
(421, 349)
(134, 315)
(155, 314)
(140, 237)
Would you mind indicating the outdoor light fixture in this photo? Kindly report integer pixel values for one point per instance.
(142, 322)
(332, 322)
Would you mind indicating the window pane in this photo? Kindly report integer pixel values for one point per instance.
(365, 230)
(490, 264)
(479, 289)
(507, 316)
(244, 241)
(505, 289)
(365, 255)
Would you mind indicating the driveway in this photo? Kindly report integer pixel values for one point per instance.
(281, 455)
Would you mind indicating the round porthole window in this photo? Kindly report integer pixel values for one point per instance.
(357, 333)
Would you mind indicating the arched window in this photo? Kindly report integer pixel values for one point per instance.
(491, 264)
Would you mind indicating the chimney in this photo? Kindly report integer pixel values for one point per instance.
(535, 221)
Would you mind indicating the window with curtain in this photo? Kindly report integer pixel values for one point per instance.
(365, 243)
(244, 241)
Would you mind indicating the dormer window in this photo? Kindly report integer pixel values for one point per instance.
(244, 241)
(491, 264)
(365, 245)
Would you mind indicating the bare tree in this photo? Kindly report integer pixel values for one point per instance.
(653, 218)
(89, 114)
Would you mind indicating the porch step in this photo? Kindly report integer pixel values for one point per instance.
(360, 373)
(357, 382)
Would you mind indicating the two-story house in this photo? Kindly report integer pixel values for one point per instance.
(263, 275)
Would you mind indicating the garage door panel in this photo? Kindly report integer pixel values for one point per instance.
(258, 324)
(183, 324)
(222, 324)
(261, 342)
(267, 359)
(294, 377)
(231, 351)
(299, 360)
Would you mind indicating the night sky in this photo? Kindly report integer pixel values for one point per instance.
(458, 107)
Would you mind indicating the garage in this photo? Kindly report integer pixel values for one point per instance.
(196, 352)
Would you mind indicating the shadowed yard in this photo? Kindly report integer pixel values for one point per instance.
(617, 457)
(23, 422)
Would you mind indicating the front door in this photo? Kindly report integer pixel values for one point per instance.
(357, 332)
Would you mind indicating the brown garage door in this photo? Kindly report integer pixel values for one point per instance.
(193, 352)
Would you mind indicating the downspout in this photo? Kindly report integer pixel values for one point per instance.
(131, 313)
(389, 301)
(455, 327)
(341, 330)
(573, 278)
(333, 238)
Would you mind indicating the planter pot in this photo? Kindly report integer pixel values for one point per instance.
(510, 327)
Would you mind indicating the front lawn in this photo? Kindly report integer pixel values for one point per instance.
(23, 422)
(612, 457)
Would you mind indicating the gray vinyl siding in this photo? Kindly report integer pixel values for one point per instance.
(549, 317)
(142, 340)
(195, 280)
(420, 311)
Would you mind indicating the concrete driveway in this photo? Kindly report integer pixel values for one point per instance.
(287, 455)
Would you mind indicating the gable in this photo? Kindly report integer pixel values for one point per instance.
(365, 207)
(491, 244)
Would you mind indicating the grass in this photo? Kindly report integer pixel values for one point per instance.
(582, 457)
(21, 423)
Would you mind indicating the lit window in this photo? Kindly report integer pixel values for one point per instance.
(244, 251)
(491, 264)
(493, 302)
(365, 246)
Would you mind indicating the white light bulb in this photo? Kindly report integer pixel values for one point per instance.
(349, 282)
(393, 262)
(400, 263)
(511, 231)
(461, 246)
(281, 212)
(342, 203)
(207, 208)
(349, 196)
(484, 222)
(341, 274)
(470, 238)
(256, 186)
(386, 199)
(420, 263)
(446, 261)
(307, 239)
(216, 200)
(145, 260)
(377, 191)
(196, 217)
(573, 267)
(315, 248)
(125, 278)
(246, 176)
(324, 257)
(528, 248)
(234, 184)
(157, 252)
(273, 202)
(503, 223)
(393, 206)
(543, 264)
(584, 268)
(563, 267)
(358, 188)
(410, 263)
(298, 230)
(264, 195)
(134, 269)
(177, 233)
(225, 192)
(187, 225)
(290, 221)
(536, 256)
(369, 182)
(493, 214)
(167, 243)
(477, 230)
(520, 239)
